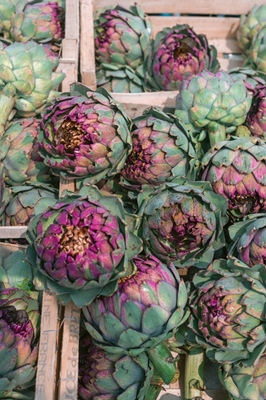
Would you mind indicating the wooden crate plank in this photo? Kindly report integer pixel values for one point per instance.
(46, 377)
(187, 6)
(87, 57)
(212, 27)
(13, 232)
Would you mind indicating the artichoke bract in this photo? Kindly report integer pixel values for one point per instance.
(177, 53)
(85, 135)
(248, 239)
(28, 80)
(249, 26)
(162, 149)
(236, 169)
(112, 376)
(256, 117)
(146, 309)
(32, 20)
(121, 35)
(182, 222)
(227, 303)
(214, 102)
(244, 382)
(19, 338)
(120, 78)
(19, 148)
(81, 246)
(251, 78)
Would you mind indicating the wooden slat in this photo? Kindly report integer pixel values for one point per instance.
(187, 6)
(13, 232)
(212, 27)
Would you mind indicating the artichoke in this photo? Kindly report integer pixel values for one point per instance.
(213, 102)
(244, 382)
(236, 170)
(19, 327)
(249, 26)
(146, 309)
(121, 36)
(182, 222)
(28, 81)
(111, 376)
(81, 246)
(28, 201)
(5, 193)
(85, 135)
(256, 117)
(161, 150)
(120, 78)
(250, 77)
(227, 304)
(257, 53)
(248, 239)
(175, 55)
(32, 20)
(19, 147)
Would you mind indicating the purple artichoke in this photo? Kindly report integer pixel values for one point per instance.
(161, 150)
(121, 36)
(112, 376)
(236, 169)
(81, 246)
(248, 239)
(177, 53)
(256, 117)
(146, 309)
(182, 222)
(227, 303)
(19, 333)
(85, 136)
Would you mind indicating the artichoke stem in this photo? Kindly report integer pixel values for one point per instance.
(194, 369)
(216, 132)
(6, 107)
(162, 360)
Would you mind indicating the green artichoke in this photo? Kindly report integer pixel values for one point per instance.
(5, 193)
(248, 239)
(257, 53)
(112, 376)
(147, 308)
(19, 328)
(85, 134)
(81, 246)
(236, 169)
(249, 26)
(244, 382)
(32, 20)
(28, 201)
(176, 54)
(161, 150)
(182, 222)
(227, 303)
(213, 102)
(19, 153)
(121, 36)
(28, 81)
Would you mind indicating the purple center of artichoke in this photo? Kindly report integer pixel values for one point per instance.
(17, 320)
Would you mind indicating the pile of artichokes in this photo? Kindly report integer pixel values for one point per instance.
(161, 243)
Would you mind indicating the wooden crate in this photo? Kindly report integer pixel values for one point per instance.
(218, 20)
